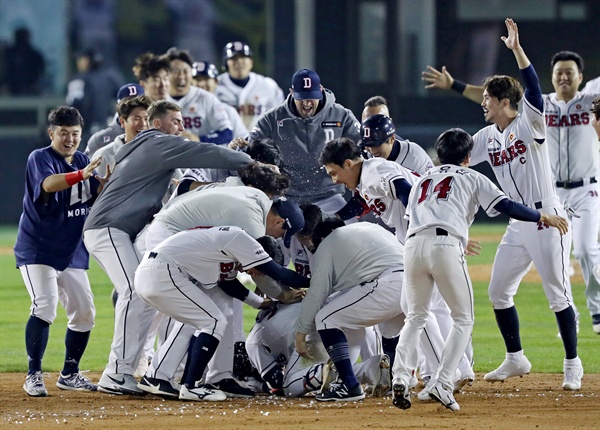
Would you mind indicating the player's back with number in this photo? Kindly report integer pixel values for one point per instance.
(448, 197)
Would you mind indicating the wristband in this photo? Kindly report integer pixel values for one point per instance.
(254, 300)
(458, 86)
(74, 177)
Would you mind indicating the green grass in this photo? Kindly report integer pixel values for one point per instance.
(538, 326)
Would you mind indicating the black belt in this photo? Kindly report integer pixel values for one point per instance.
(152, 255)
(574, 184)
(438, 232)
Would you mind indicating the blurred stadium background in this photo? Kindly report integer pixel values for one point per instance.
(360, 48)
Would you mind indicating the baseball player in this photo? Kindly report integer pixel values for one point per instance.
(207, 255)
(152, 72)
(106, 136)
(441, 207)
(205, 77)
(250, 93)
(515, 148)
(300, 127)
(204, 116)
(364, 262)
(573, 153)
(143, 171)
(592, 86)
(133, 117)
(59, 190)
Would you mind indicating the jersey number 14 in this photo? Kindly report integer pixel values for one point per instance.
(442, 189)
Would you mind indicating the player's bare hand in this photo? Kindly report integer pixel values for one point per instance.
(291, 296)
(238, 143)
(437, 79)
(473, 248)
(301, 345)
(556, 221)
(88, 171)
(512, 40)
(273, 167)
(190, 136)
(267, 303)
(103, 179)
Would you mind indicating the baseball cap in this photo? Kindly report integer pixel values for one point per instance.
(129, 90)
(306, 85)
(204, 68)
(292, 215)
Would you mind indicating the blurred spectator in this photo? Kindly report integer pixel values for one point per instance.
(24, 66)
(93, 89)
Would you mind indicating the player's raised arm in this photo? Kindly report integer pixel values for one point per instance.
(443, 80)
(512, 42)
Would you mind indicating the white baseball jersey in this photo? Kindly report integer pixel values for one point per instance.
(210, 255)
(237, 124)
(202, 112)
(572, 141)
(519, 157)
(258, 96)
(377, 189)
(592, 86)
(448, 197)
(411, 156)
(300, 257)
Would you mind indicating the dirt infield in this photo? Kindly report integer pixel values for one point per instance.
(536, 401)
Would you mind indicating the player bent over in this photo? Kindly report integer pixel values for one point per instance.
(59, 190)
(441, 208)
(209, 256)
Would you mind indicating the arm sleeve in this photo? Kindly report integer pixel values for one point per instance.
(355, 207)
(235, 289)
(402, 190)
(533, 90)
(219, 138)
(517, 211)
(262, 129)
(181, 152)
(283, 275)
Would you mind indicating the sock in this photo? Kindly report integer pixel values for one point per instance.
(389, 347)
(336, 345)
(75, 344)
(567, 326)
(188, 358)
(202, 351)
(36, 340)
(508, 323)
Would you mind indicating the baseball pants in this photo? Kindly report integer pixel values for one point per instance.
(71, 287)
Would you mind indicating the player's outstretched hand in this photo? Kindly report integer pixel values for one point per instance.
(238, 143)
(437, 79)
(512, 41)
(291, 296)
(473, 247)
(88, 171)
(301, 346)
(103, 179)
(555, 221)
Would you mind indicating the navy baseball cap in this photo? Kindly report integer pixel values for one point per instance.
(306, 85)
(129, 90)
(204, 68)
(292, 215)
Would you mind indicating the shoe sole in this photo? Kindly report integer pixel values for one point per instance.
(439, 400)
(502, 380)
(237, 396)
(349, 399)
(120, 391)
(398, 397)
(69, 388)
(161, 394)
(35, 395)
(463, 383)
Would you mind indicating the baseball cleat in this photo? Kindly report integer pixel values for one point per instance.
(119, 383)
(158, 387)
(34, 385)
(201, 393)
(463, 382)
(401, 395)
(441, 393)
(424, 393)
(339, 392)
(231, 388)
(573, 375)
(76, 382)
(508, 369)
(383, 383)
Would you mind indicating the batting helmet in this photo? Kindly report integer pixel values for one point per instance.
(235, 48)
(375, 130)
(204, 68)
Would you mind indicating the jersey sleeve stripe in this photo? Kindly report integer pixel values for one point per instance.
(495, 202)
(391, 185)
(257, 262)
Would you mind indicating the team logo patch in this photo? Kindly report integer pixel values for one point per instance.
(192, 109)
(106, 139)
(578, 106)
(331, 124)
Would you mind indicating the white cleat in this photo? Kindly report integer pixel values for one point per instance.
(443, 394)
(424, 393)
(508, 369)
(573, 375)
(201, 393)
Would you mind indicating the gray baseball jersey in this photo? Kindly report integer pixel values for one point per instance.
(251, 101)
(103, 137)
(107, 153)
(144, 169)
(350, 255)
(301, 140)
